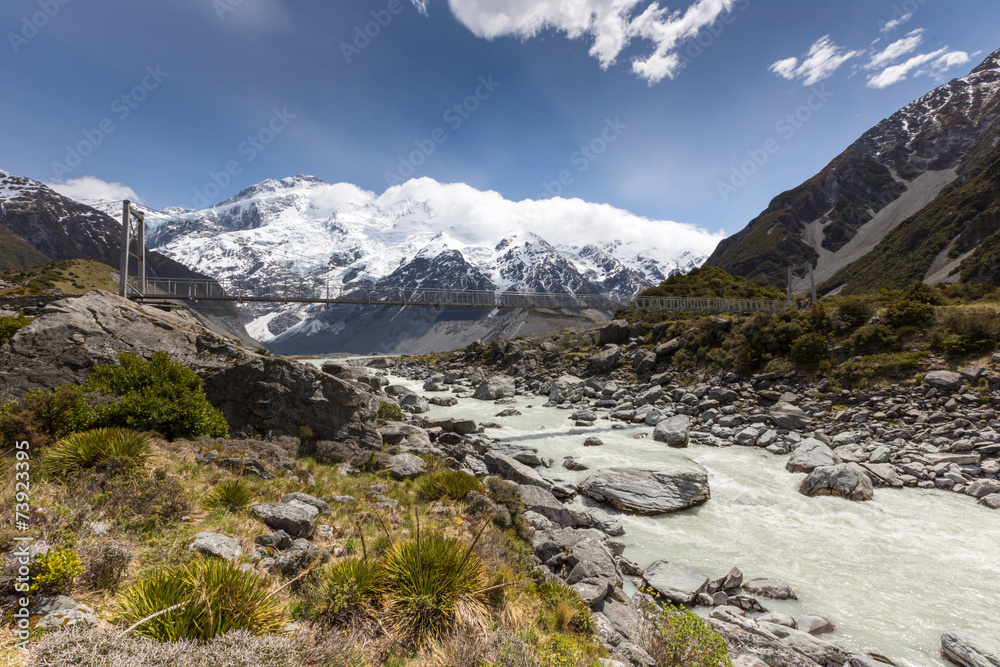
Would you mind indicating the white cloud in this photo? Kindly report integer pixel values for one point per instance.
(823, 59)
(90, 189)
(925, 64)
(896, 50)
(895, 23)
(610, 24)
(421, 6)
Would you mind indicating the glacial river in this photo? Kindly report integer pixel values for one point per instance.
(892, 574)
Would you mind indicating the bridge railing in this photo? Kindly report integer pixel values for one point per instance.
(163, 288)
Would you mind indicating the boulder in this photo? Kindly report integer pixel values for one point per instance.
(815, 625)
(566, 389)
(254, 392)
(605, 360)
(615, 331)
(494, 388)
(296, 518)
(673, 431)
(817, 650)
(991, 501)
(811, 454)
(322, 506)
(772, 589)
(405, 466)
(675, 582)
(537, 499)
(414, 403)
(970, 649)
(511, 470)
(593, 441)
(667, 349)
(216, 544)
(786, 415)
(648, 491)
(643, 361)
(944, 381)
(983, 487)
(847, 480)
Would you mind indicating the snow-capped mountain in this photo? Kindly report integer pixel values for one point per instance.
(303, 231)
(894, 189)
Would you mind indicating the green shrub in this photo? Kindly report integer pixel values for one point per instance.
(967, 331)
(209, 598)
(871, 338)
(10, 325)
(156, 395)
(854, 312)
(349, 589)
(508, 495)
(44, 416)
(137, 501)
(564, 605)
(115, 448)
(908, 313)
(55, 572)
(233, 495)
(809, 349)
(676, 637)
(453, 484)
(432, 586)
(389, 411)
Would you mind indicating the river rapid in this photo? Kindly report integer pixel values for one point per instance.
(892, 574)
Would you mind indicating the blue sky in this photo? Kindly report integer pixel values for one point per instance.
(673, 99)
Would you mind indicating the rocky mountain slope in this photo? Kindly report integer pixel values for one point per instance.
(301, 231)
(884, 192)
(38, 225)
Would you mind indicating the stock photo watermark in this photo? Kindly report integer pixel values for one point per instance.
(248, 149)
(785, 128)
(22, 552)
(364, 34)
(32, 24)
(585, 156)
(706, 36)
(121, 108)
(901, 13)
(454, 117)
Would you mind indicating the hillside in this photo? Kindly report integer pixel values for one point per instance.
(909, 170)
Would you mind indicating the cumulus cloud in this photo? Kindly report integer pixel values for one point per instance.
(896, 23)
(90, 189)
(823, 59)
(610, 25)
(896, 50)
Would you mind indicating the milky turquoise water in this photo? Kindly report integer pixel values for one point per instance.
(892, 574)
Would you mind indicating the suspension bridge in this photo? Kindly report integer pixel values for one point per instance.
(159, 289)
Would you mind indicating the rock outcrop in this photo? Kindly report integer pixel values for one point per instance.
(648, 491)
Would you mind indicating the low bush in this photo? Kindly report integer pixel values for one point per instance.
(349, 589)
(433, 586)
(44, 416)
(676, 637)
(156, 395)
(117, 449)
(84, 647)
(871, 338)
(55, 571)
(389, 411)
(234, 495)
(967, 331)
(11, 324)
(137, 501)
(566, 611)
(908, 313)
(206, 598)
(854, 312)
(453, 484)
(105, 564)
(809, 349)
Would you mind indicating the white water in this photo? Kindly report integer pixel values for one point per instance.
(892, 574)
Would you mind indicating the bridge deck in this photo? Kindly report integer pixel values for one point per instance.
(204, 290)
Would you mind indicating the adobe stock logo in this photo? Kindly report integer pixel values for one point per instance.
(363, 35)
(30, 25)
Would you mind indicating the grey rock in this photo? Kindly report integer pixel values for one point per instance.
(983, 487)
(944, 381)
(511, 470)
(674, 432)
(405, 466)
(817, 650)
(571, 463)
(605, 360)
(216, 544)
(279, 540)
(786, 415)
(991, 501)
(308, 500)
(615, 331)
(778, 619)
(772, 589)
(815, 625)
(847, 480)
(414, 403)
(811, 454)
(648, 491)
(604, 522)
(494, 388)
(296, 518)
(970, 649)
(593, 441)
(566, 388)
(675, 582)
(541, 501)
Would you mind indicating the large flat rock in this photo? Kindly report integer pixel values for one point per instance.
(811, 454)
(675, 582)
(847, 480)
(649, 491)
(970, 649)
